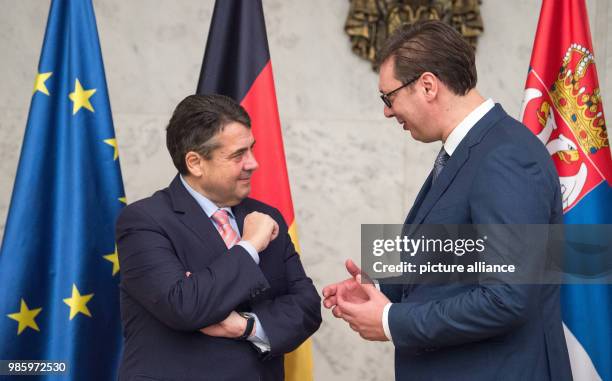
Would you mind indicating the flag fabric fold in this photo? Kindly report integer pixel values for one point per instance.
(237, 64)
(562, 105)
(59, 269)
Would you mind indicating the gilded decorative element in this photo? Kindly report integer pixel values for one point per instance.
(370, 22)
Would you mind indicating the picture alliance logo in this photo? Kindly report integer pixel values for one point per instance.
(412, 246)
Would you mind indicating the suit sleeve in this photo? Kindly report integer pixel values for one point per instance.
(392, 291)
(511, 188)
(289, 319)
(153, 275)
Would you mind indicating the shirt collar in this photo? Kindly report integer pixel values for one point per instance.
(207, 206)
(459, 132)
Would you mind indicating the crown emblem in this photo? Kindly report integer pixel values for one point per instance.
(581, 109)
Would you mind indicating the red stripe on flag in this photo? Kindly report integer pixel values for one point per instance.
(270, 183)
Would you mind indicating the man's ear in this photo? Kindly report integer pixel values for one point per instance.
(193, 161)
(430, 85)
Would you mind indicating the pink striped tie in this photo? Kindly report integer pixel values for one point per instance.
(229, 235)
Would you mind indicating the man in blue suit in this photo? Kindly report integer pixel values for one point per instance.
(490, 170)
(211, 285)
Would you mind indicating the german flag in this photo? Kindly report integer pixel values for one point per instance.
(237, 64)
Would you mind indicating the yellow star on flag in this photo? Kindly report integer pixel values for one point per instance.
(78, 302)
(25, 317)
(39, 83)
(80, 97)
(123, 200)
(113, 143)
(114, 259)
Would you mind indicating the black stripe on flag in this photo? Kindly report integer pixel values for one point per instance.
(236, 50)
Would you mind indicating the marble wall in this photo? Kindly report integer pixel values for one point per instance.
(347, 164)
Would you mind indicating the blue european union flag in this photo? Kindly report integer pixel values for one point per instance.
(58, 262)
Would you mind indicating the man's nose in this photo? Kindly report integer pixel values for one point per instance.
(250, 163)
(388, 111)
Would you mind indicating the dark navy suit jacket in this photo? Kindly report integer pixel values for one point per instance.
(163, 236)
(499, 174)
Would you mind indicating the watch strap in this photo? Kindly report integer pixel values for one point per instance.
(249, 326)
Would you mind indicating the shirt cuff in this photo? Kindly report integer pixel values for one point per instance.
(385, 321)
(259, 339)
(250, 249)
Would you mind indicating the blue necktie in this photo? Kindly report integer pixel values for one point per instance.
(439, 164)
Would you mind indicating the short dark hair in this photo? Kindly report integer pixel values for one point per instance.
(432, 46)
(195, 123)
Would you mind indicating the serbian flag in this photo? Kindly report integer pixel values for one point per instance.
(563, 107)
(237, 64)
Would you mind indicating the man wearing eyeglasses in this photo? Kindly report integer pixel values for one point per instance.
(490, 170)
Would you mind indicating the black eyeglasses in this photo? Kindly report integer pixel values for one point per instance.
(385, 96)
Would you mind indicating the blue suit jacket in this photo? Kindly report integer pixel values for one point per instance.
(163, 236)
(499, 174)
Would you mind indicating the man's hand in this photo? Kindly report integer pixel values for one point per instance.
(259, 229)
(349, 289)
(232, 327)
(365, 318)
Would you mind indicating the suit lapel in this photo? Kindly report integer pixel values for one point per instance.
(419, 199)
(443, 181)
(457, 160)
(191, 215)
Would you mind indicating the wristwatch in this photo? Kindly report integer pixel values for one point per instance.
(249, 326)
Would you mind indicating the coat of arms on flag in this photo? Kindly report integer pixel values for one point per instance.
(567, 116)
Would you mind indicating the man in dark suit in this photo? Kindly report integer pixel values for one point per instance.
(490, 170)
(211, 285)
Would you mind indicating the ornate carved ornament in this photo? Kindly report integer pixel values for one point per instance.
(370, 22)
